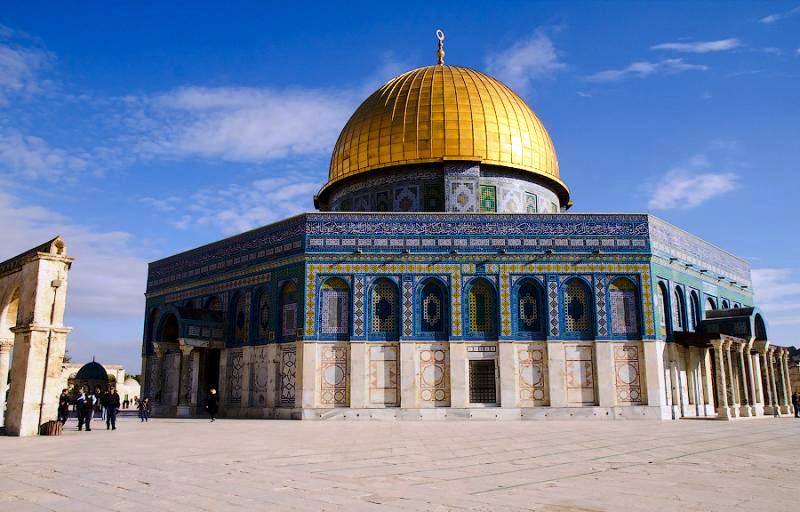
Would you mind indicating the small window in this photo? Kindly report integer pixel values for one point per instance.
(530, 203)
(578, 318)
(482, 382)
(624, 308)
(488, 201)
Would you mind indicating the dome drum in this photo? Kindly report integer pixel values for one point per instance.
(451, 186)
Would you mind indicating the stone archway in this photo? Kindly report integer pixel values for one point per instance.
(33, 290)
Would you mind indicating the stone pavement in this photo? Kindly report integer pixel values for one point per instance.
(176, 465)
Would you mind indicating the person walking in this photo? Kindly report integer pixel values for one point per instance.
(144, 409)
(88, 409)
(63, 406)
(80, 407)
(112, 407)
(212, 404)
(796, 404)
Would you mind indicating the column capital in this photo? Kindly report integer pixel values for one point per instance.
(718, 344)
(186, 350)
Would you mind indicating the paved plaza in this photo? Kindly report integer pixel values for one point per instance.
(173, 464)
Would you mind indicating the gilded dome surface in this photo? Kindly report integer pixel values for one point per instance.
(438, 113)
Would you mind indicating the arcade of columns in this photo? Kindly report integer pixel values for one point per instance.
(752, 378)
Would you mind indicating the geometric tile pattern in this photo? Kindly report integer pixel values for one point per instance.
(600, 304)
(488, 202)
(455, 271)
(358, 307)
(577, 317)
(334, 375)
(235, 374)
(408, 310)
(288, 374)
(434, 374)
(626, 372)
(533, 374)
(552, 300)
(505, 304)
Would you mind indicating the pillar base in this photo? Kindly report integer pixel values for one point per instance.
(746, 411)
(786, 409)
(725, 413)
(185, 411)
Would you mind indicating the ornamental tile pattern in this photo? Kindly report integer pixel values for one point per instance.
(627, 364)
(358, 307)
(552, 301)
(334, 375)
(288, 375)
(533, 374)
(505, 304)
(600, 305)
(408, 306)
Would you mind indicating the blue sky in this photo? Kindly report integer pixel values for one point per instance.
(138, 130)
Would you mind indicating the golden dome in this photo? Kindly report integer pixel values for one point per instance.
(438, 113)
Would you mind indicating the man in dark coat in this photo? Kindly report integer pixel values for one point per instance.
(796, 404)
(112, 406)
(80, 407)
(212, 404)
(63, 406)
(88, 409)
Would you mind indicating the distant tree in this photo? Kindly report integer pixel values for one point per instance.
(67, 357)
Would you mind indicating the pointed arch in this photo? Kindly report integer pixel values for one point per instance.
(10, 312)
(625, 311)
(726, 304)
(760, 327)
(169, 328)
(433, 308)
(663, 307)
(384, 309)
(529, 314)
(694, 310)
(678, 310)
(261, 313)
(481, 308)
(711, 303)
(288, 309)
(213, 303)
(578, 312)
(239, 318)
(334, 308)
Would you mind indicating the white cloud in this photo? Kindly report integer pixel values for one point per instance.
(690, 185)
(644, 69)
(32, 157)
(775, 17)
(21, 67)
(107, 278)
(720, 45)
(237, 208)
(242, 124)
(777, 292)
(529, 60)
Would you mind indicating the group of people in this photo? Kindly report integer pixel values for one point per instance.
(86, 402)
(796, 404)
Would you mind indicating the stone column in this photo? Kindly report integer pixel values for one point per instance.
(768, 396)
(185, 382)
(788, 381)
(776, 400)
(744, 408)
(508, 366)
(758, 379)
(786, 405)
(733, 385)
(723, 411)
(5, 354)
(709, 401)
(654, 376)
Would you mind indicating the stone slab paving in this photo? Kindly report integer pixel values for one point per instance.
(177, 465)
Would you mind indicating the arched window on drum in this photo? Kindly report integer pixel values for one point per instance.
(433, 308)
(482, 309)
(288, 299)
(694, 310)
(334, 308)
(624, 299)
(578, 309)
(384, 309)
(663, 317)
(678, 310)
(529, 310)
(262, 314)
